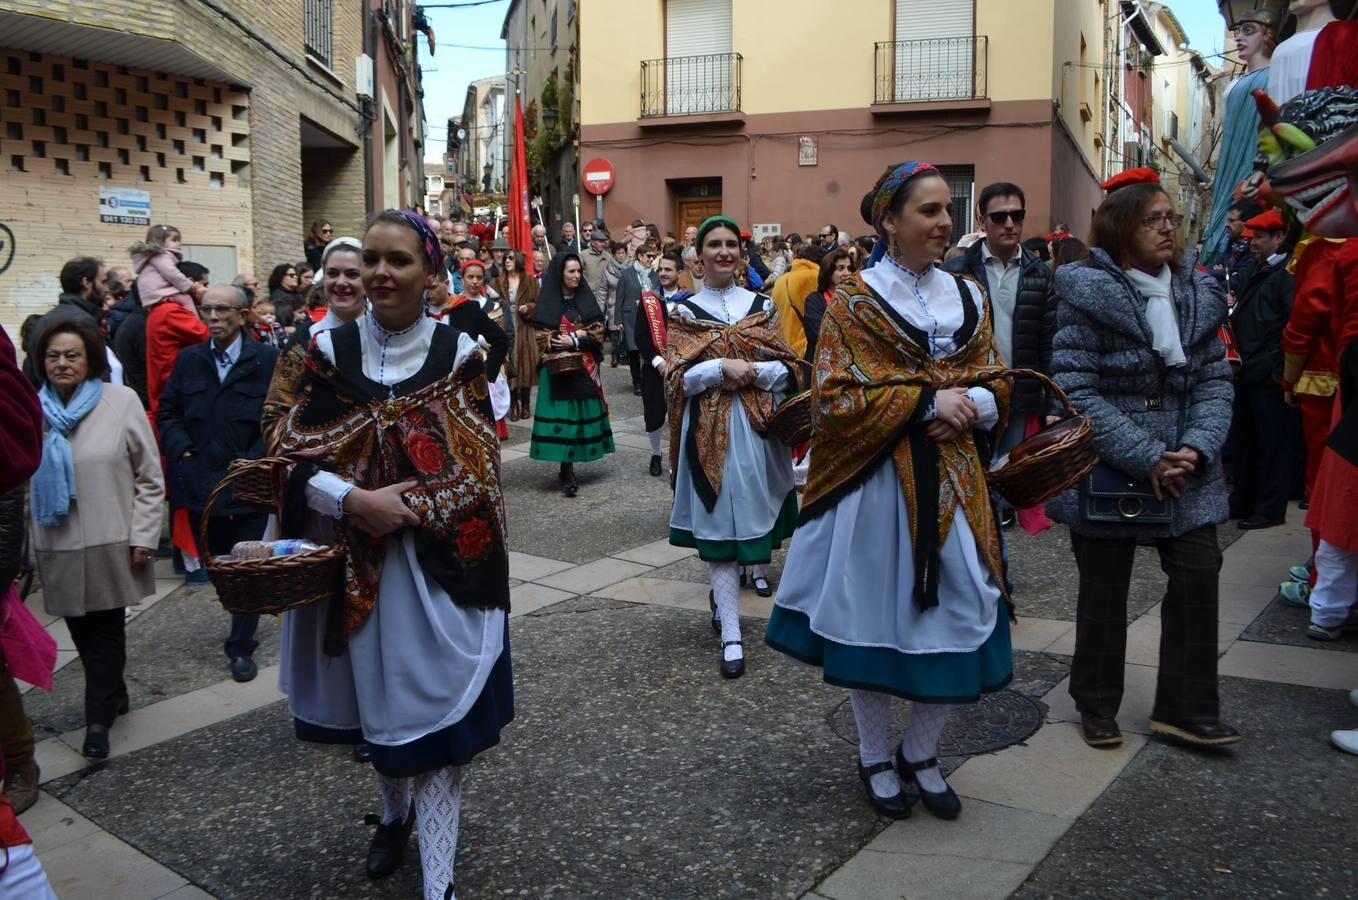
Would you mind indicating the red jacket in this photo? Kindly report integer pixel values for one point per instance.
(1309, 338)
(21, 437)
(169, 328)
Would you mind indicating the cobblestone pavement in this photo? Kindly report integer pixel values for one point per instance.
(633, 770)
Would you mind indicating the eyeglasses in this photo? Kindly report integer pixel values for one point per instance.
(289, 274)
(326, 230)
(1158, 223)
(998, 218)
(219, 310)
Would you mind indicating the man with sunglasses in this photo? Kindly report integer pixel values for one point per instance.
(1017, 283)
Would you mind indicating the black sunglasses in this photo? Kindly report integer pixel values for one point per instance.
(997, 218)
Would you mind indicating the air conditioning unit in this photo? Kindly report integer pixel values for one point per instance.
(363, 76)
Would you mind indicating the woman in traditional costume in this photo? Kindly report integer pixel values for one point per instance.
(570, 423)
(734, 498)
(397, 455)
(476, 312)
(894, 582)
(519, 292)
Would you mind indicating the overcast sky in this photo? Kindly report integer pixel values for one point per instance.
(461, 33)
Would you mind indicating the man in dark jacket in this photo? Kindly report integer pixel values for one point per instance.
(83, 282)
(209, 416)
(1265, 430)
(1017, 282)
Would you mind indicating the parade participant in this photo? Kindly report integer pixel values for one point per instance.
(894, 582)
(734, 498)
(1256, 35)
(413, 657)
(1322, 52)
(1265, 429)
(653, 313)
(1137, 351)
(570, 422)
(635, 278)
(96, 507)
(834, 268)
(482, 316)
(519, 294)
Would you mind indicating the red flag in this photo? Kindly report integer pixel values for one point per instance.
(520, 217)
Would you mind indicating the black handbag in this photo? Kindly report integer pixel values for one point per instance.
(1109, 496)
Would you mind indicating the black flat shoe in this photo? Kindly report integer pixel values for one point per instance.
(636, 390)
(897, 807)
(761, 586)
(655, 465)
(1259, 522)
(571, 488)
(96, 742)
(943, 804)
(243, 669)
(1198, 734)
(1099, 731)
(363, 753)
(716, 619)
(733, 668)
(388, 849)
(123, 706)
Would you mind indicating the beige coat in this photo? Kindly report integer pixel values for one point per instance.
(85, 563)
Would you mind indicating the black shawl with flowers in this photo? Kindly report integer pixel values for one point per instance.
(435, 428)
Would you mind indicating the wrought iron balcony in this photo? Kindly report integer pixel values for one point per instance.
(930, 70)
(690, 85)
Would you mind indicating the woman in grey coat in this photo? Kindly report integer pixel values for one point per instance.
(634, 279)
(1136, 349)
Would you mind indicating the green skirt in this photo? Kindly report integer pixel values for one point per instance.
(569, 431)
(931, 677)
(752, 552)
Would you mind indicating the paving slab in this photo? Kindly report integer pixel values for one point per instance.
(1143, 640)
(526, 567)
(1291, 665)
(1138, 700)
(656, 553)
(1282, 623)
(1035, 634)
(529, 598)
(590, 577)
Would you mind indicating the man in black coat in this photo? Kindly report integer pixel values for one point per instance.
(83, 283)
(1017, 283)
(209, 416)
(635, 279)
(1265, 430)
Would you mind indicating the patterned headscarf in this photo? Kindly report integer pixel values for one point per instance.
(433, 252)
(713, 222)
(881, 201)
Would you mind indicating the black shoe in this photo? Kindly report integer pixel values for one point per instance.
(1008, 518)
(655, 465)
(388, 849)
(636, 390)
(123, 706)
(571, 488)
(1099, 731)
(243, 669)
(733, 668)
(716, 619)
(363, 753)
(943, 804)
(897, 807)
(96, 742)
(1198, 734)
(1259, 522)
(762, 586)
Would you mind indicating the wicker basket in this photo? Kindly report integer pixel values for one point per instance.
(257, 486)
(564, 363)
(791, 421)
(1042, 466)
(276, 584)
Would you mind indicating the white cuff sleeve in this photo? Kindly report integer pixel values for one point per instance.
(770, 376)
(657, 362)
(698, 378)
(931, 413)
(988, 413)
(325, 493)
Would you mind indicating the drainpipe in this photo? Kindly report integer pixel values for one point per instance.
(366, 110)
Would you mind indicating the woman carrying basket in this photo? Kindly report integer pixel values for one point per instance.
(894, 581)
(397, 453)
(570, 423)
(734, 498)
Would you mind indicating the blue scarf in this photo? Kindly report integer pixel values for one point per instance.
(54, 482)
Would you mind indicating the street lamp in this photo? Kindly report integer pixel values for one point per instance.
(486, 170)
(549, 117)
(1232, 10)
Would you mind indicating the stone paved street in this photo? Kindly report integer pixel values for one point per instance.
(634, 771)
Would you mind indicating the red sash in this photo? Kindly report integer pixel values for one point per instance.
(655, 318)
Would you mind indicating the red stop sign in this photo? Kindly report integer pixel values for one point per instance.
(598, 176)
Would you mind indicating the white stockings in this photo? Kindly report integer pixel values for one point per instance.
(395, 794)
(726, 592)
(654, 438)
(438, 805)
(872, 714)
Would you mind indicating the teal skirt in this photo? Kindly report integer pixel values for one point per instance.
(752, 552)
(929, 677)
(569, 431)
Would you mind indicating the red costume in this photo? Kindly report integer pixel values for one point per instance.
(21, 438)
(1334, 506)
(169, 329)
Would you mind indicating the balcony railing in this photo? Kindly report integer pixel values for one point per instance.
(690, 85)
(316, 29)
(931, 69)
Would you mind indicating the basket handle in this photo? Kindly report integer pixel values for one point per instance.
(1052, 386)
(234, 473)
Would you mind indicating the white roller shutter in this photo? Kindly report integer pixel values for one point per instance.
(942, 66)
(699, 74)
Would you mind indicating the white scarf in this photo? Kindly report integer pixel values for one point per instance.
(1161, 314)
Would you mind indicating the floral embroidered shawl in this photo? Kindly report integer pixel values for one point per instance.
(440, 435)
(691, 340)
(874, 382)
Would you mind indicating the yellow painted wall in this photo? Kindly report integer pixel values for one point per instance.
(615, 36)
(1020, 33)
(1071, 82)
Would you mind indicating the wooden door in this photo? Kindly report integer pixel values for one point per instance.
(693, 212)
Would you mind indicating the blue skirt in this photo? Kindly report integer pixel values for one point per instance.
(927, 677)
(455, 745)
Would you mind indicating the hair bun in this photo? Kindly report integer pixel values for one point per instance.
(865, 207)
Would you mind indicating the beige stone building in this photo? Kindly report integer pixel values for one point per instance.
(238, 122)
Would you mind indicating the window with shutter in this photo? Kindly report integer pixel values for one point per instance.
(935, 50)
(699, 63)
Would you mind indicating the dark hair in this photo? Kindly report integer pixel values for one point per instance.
(674, 258)
(834, 228)
(866, 242)
(827, 268)
(517, 256)
(89, 335)
(1248, 209)
(794, 239)
(314, 236)
(1068, 250)
(898, 199)
(999, 189)
(276, 276)
(1119, 216)
(812, 251)
(615, 246)
(192, 270)
(77, 270)
(1038, 247)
